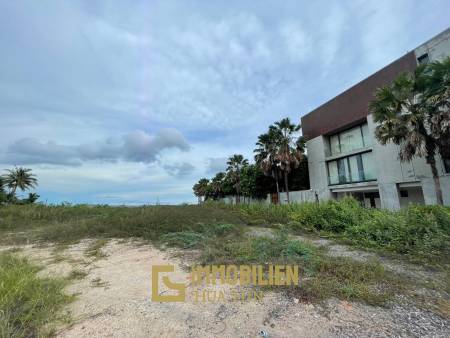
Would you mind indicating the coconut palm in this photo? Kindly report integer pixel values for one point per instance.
(265, 155)
(200, 188)
(413, 112)
(21, 178)
(289, 153)
(235, 164)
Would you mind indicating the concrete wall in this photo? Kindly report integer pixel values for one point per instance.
(318, 176)
(232, 200)
(437, 48)
(300, 196)
(415, 196)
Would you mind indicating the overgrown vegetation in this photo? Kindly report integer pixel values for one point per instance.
(217, 232)
(66, 224)
(28, 303)
(420, 232)
(321, 276)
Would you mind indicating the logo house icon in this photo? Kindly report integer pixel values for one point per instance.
(180, 287)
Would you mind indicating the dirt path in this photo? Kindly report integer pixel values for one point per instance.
(114, 300)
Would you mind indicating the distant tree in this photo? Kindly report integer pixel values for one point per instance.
(290, 149)
(266, 155)
(413, 112)
(200, 188)
(3, 196)
(215, 187)
(19, 178)
(32, 197)
(235, 164)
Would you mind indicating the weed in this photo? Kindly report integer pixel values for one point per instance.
(94, 249)
(27, 303)
(77, 274)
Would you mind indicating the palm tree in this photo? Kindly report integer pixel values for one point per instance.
(266, 153)
(413, 112)
(32, 197)
(235, 164)
(216, 185)
(200, 188)
(21, 178)
(289, 152)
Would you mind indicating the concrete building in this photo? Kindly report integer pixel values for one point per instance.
(344, 157)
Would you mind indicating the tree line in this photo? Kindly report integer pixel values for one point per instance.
(16, 179)
(280, 165)
(412, 112)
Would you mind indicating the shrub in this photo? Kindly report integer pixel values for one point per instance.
(27, 302)
(332, 216)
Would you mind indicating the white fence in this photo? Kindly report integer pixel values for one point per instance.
(299, 196)
(232, 200)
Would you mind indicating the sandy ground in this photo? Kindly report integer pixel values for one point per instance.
(114, 300)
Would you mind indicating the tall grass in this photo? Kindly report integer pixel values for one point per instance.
(71, 223)
(422, 232)
(27, 303)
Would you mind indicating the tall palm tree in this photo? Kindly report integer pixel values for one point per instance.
(200, 188)
(235, 164)
(289, 153)
(413, 112)
(216, 185)
(266, 153)
(21, 178)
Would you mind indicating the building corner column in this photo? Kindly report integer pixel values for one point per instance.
(389, 195)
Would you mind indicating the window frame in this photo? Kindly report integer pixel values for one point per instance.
(346, 160)
(365, 143)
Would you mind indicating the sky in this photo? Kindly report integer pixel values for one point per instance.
(132, 102)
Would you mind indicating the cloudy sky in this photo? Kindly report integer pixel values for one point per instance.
(133, 101)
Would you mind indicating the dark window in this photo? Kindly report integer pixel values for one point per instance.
(447, 165)
(423, 59)
(403, 193)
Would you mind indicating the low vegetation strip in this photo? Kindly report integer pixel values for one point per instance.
(28, 303)
(420, 232)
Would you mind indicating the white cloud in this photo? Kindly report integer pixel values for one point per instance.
(137, 146)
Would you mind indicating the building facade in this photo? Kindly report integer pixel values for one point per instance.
(344, 157)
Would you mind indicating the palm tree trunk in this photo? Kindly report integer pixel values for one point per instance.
(437, 183)
(12, 193)
(238, 197)
(286, 185)
(275, 177)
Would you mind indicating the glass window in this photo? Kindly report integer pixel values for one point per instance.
(355, 168)
(367, 140)
(369, 172)
(351, 139)
(333, 172)
(357, 173)
(334, 145)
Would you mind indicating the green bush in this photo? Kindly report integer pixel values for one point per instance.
(186, 240)
(332, 216)
(27, 302)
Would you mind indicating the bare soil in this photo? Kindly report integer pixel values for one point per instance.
(114, 300)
